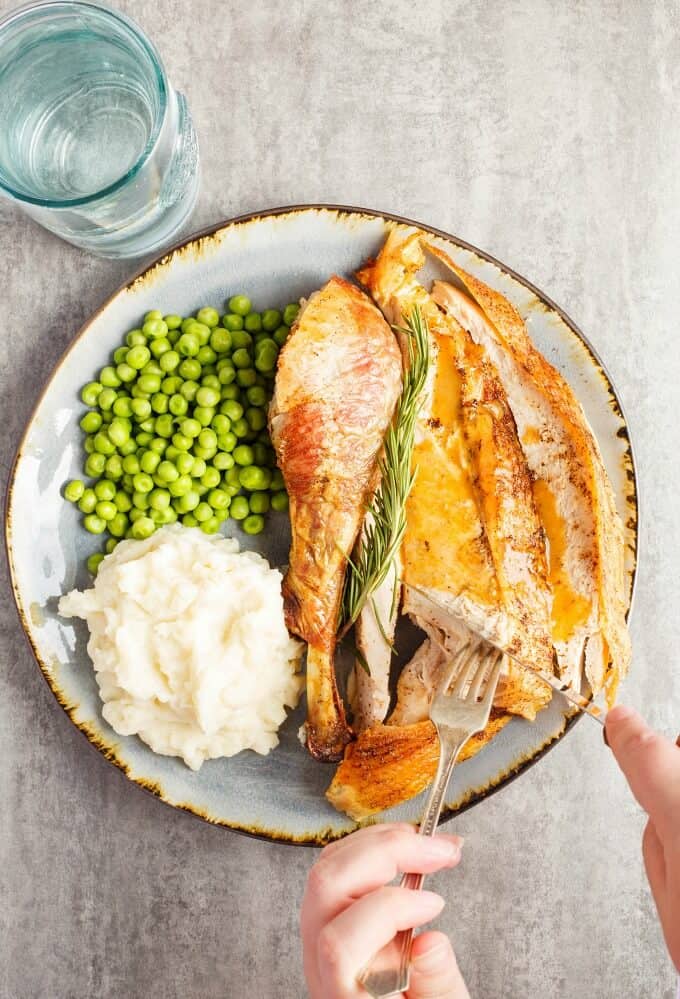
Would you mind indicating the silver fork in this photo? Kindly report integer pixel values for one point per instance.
(460, 708)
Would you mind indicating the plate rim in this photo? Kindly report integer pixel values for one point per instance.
(164, 258)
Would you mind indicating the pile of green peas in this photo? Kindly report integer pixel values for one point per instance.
(176, 428)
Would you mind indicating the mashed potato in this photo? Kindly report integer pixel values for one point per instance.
(189, 644)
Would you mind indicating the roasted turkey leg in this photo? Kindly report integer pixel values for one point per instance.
(337, 383)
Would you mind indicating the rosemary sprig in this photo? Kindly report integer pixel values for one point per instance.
(385, 526)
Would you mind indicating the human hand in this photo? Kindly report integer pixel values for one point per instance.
(651, 765)
(349, 912)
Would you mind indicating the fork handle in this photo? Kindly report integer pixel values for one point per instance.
(389, 971)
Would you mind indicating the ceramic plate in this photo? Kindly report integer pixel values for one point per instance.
(276, 258)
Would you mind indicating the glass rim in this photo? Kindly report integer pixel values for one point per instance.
(163, 88)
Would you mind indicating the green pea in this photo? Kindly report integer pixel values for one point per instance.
(240, 428)
(218, 499)
(271, 320)
(149, 383)
(240, 305)
(258, 502)
(137, 393)
(241, 339)
(164, 425)
(254, 478)
(169, 361)
(254, 524)
(136, 514)
(147, 426)
(125, 372)
(104, 489)
(232, 322)
(90, 393)
(172, 321)
(94, 466)
(211, 477)
(266, 359)
(188, 345)
(166, 516)
(91, 422)
(118, 525)
(221, 424)
(256, 395)
(188, 520)
(246, 377)
(207, 396)
(158, 444)
(122, 501)
(159, 403)
(110, 545)
(198, 468)
(253, 322)
(153, 314)
(126, 482)
(167, 472)
(223, 460)
(226, 374)
(184, 462)
(208, 316)
(280, 335)
(149, 462)
(171, 385)
(279, 500)
(119, 355)
(137, 357)
(188, 502)
(232, 477)
(155, 328)
(141, 408)
(93, 563)
(202, 512)
(135, 338)
(140, 500)
(189, 428)
(227, 442)
(180, 487)
(204, 415)
(220, 341)
(108, 376)
(190, 368)
(189, 390)
(259, 454)
(239, 508)
(106, 510)
(123, 407)
(159, 499)
(243, 455)
(88, 444)
(232, 409)
(118, 434)
(230, 393)
(290, 313)
(106, 398)
(172, 452)
(142, 482)
(206, 356)
(143, 528)
(73, 490)
(87, 501)
(210, 526)
(207, 438)
(160, 347)
(202, 332)
(94, 524)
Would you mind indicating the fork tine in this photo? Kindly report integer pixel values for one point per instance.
(487, 661)
(456, 664)
(490, 689)
(467, 669)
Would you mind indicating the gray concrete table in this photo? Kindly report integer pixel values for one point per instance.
(547, 134)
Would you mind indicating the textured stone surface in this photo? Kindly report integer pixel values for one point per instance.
(545, 133)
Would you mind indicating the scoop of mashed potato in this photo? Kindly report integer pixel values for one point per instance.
(189, 644)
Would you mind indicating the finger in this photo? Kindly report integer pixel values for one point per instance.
(367, 832)
(371, 862)
(349, 941)
(655, 863)
(650, 763)
(434, 969)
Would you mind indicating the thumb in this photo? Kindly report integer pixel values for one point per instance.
(434, 971)
(650, 763)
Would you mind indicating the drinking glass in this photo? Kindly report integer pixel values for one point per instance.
(94, 142)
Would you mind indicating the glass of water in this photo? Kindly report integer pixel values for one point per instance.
(94, 142)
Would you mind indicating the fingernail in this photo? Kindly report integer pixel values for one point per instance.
(605, 737)
(619, 713)
(446, 848)
(431, 961)
(677, 741)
